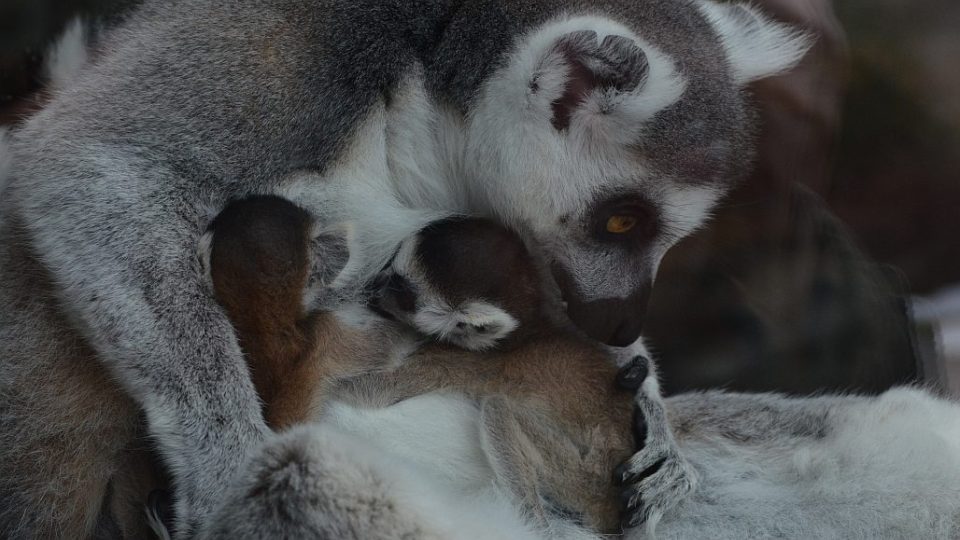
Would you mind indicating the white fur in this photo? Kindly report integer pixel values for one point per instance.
(432, 445)
(424, 147)
(360, 190)
(68, 55)
(887, 467)
(474, 325)
(756, 46)
(686, 208)
(538, 172)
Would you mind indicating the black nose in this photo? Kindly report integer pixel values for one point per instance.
(614, 321)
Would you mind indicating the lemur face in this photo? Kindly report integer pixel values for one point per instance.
(467, 281)
(608, 144)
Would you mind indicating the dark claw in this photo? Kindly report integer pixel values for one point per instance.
(620, 474)
(630, 498)
(161, 504)
(639, 429)
(634, 518)
(623, 475)
(632, 375)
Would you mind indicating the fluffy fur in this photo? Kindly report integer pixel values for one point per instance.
(399, 108)
(413, 451)
(548, 452)
(770, 466)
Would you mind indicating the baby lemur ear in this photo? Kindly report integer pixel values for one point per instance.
(756, 46)
(614, 63)
(331, 267)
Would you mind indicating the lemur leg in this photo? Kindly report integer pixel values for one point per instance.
(657, 478)
(63, 421)
(514, 458)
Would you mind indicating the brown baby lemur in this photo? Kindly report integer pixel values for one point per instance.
(556, 422)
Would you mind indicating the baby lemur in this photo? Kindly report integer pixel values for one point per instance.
(555, 424)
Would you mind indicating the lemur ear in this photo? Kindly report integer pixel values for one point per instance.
(756, 46)
(615, 63)
(331, 260)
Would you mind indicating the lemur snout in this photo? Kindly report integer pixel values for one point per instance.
(614, 321)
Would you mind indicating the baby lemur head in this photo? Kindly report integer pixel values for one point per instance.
(466, 281)
(257, 253)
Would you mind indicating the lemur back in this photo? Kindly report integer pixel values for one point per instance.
(554, 424)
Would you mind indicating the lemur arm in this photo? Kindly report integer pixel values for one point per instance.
(129, 275)
(657, 478)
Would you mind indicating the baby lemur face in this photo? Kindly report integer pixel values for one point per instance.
(466, 281)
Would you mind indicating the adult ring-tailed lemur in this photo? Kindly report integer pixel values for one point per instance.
(604, 130)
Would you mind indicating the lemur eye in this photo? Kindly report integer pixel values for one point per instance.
(629, 222)
(620, 224)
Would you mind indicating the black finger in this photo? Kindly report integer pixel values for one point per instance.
(630, 498)
(628, 476)
(160, 504)
(632, 375)
(634, 517)
(639, 429)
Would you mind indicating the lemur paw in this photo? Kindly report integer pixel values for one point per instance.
(657, 478)
(653, 481)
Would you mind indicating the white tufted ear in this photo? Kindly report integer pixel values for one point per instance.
(756, 46)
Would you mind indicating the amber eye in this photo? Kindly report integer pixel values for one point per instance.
(621, 224)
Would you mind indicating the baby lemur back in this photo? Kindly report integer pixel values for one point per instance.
(555, 425)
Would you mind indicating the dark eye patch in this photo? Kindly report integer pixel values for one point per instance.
(643, 216)
(402, 291)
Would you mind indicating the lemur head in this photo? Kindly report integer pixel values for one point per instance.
(467, 281)
(609, 136)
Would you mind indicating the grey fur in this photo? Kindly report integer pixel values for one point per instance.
(770, 466)
(287, 498)
(192, 103)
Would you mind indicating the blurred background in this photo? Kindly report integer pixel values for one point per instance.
(836, 266)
